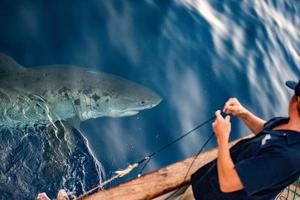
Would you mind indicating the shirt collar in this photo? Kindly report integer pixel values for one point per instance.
(292, 136)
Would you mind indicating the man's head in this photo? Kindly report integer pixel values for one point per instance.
(295, 100)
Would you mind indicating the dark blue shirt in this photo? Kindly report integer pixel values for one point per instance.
(266, 164)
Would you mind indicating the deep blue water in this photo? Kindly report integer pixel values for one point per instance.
(195, 54)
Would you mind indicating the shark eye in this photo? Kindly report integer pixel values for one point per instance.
(143, 102)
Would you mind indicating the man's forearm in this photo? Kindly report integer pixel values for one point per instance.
(229, 180)
(254, 123)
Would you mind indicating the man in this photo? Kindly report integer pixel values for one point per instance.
(256, 168)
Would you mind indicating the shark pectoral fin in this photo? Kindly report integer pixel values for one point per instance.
(74, 122)
(9, 65)
(66, 126)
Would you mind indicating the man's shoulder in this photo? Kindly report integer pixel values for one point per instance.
(274, 121)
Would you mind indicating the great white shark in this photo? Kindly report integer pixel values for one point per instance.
(61, 96)
(46, 94)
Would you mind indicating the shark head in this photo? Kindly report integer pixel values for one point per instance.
(105, 95)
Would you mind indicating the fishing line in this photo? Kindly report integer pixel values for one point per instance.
(192, 163)
(145, 165)
(174, 194)
(174, 141)
(121, 173)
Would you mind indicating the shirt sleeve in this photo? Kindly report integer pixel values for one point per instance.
(264, 171)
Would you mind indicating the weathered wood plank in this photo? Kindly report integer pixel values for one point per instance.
(157, 182)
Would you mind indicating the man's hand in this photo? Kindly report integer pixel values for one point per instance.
(234, 107)
(222, 127)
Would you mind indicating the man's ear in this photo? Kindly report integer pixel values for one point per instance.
(298, 104)
(298, 101)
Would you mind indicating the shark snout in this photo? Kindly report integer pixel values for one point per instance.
(159, 99)
(151, 101)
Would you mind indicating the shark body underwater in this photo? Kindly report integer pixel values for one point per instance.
(36, 155)
(46, 94)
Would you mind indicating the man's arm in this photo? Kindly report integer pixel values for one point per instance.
(229, 179)
(254, 123)
(234, 107)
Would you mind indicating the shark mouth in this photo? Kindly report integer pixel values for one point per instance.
(115, 113)
(124, 113)
(129, 113)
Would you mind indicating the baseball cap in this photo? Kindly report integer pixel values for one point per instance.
(294, 86)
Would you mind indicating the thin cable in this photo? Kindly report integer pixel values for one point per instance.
(145, 165)
(202, 148)
(148, 158)
(174, 141)
(193, 161)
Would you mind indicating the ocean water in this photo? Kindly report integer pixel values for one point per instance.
(194, 53)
